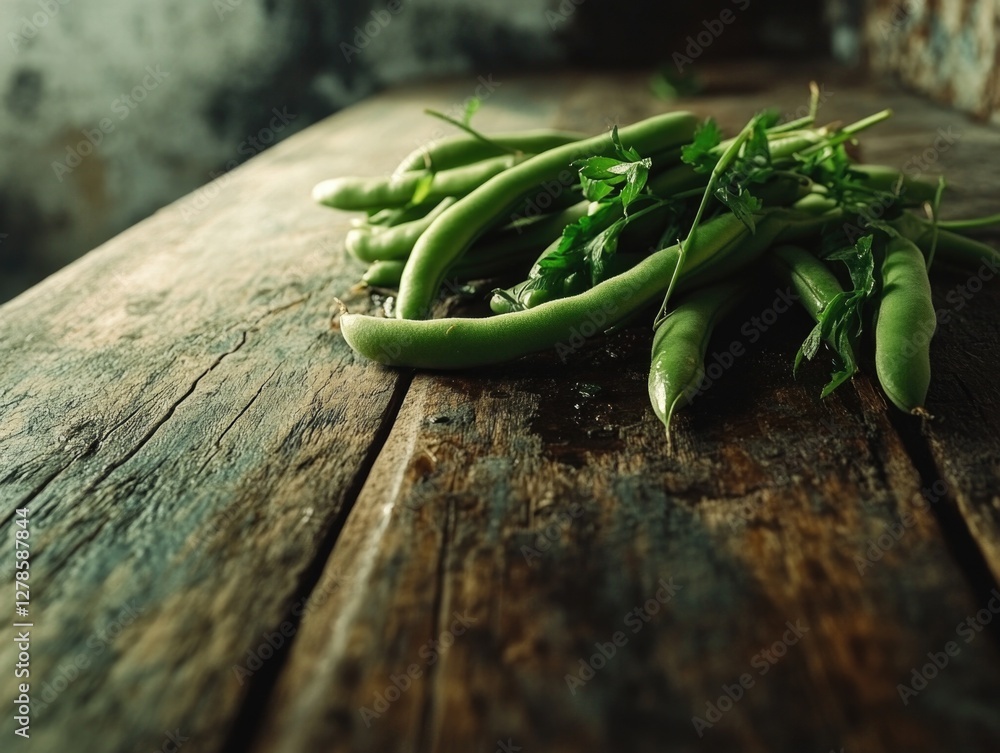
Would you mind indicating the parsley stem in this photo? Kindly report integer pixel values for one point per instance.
(470, 130)
(724, 162)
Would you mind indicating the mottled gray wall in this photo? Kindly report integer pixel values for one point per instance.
(948, 49)
(111, 108)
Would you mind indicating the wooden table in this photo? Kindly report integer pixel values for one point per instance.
(245, 538)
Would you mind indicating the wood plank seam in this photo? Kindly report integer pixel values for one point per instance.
(250, 714)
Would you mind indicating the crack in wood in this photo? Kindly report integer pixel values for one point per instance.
(425, 732)
(239, 415)
(148, 436)
(965, 550)
(248, 719)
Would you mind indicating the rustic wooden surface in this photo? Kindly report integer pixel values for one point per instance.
(209, 470)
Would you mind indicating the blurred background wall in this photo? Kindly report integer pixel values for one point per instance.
(113, 108)
(948, 49)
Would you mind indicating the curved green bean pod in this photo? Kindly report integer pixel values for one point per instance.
(464, 149)
(904, 326)
(493, 254)
(913, 191)
(677, 363)
(376, 193)
(951, 247)
(451, 234)
(374, 243)
(463, 342)
(814, 282)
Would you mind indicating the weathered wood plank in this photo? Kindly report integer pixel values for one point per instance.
(964, 437)
(187, 434)
(775, 509)
(478, 468)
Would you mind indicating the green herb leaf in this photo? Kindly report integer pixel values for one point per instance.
(699, 153)
(472, 106)
(422, 188)
(600, 175)
(842, 322)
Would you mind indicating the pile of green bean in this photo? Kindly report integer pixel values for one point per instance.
(662, 212)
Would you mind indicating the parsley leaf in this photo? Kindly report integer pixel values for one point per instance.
(842, 321)
(699, 153)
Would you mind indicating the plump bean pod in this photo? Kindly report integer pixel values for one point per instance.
(377, 193)
(912, 192)
(392, 216)
(904, 326)
(383, 274)
(451, 234)
(951, 248)
(464, 149)
(504, 250)
(814, 282)
(958, 251)
(456, 343)
(374, 243)
(677, 363)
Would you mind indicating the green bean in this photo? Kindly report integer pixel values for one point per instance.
(817, 289)
(376, 193)
(495, 253)
(951, 247)
(677, 364)
(392, 216)
(464, 149)
(959, 251)
(529, 234)
(372, 244)
(383, 274)
(904, 326)
(451, 234)
(814, 283)
(912, 191)
(463, 342)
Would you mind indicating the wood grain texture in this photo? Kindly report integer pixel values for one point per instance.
(541, 514)
(190, 437)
